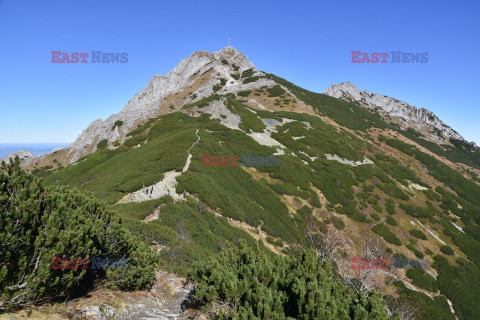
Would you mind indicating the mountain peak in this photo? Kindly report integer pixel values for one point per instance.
(235, 56)
(194, 78)
(228, 53)
(342, 90)
(398, 112)
(229, 50)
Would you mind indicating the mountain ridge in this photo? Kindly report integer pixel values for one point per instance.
(160, 93)
(195, 78)
(407, 116)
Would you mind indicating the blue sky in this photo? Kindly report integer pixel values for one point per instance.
(307, 42)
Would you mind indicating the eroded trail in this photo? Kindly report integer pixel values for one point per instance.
(162, 309)
(167, 186)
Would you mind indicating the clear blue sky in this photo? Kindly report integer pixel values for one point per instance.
(306, 42)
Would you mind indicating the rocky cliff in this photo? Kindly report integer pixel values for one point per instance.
(395, 111)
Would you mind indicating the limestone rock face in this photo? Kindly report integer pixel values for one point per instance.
(22, 154)
(197, 75)
(403, 114)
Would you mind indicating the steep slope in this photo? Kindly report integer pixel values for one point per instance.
(417, 124)
(335, 157)
(194, 78)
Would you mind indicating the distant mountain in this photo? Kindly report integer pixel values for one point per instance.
(22, 154)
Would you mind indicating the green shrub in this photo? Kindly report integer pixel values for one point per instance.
(134, 141)
(391, 221)
(305, 212)
(460, 284)
(315, 200)
(270, 240)
(247, 73)
(422, 280)
(250, 79)
(244, 93)
(339, 224)
(418, 254)
(203, 102)
(390, 206)
(447, 250)
(388, 235)
(140, 129)
(275, 91)
(257, 285)
(206, 71)
(250, 121)
(102, 144)
(137, 210)
(117, 123)
(40, 223)
(418, 234)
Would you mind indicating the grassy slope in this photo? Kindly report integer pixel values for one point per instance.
(354, 191)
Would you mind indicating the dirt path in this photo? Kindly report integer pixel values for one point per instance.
(165, 187)
(157, 308)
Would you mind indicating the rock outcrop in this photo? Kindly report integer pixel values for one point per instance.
(22, 154)
(399, 112)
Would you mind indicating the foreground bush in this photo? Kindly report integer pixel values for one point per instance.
(39, 223)
(246, 283)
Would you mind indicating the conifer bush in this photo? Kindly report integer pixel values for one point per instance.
(40, 223)
(388, 235)
(391, 221)
(418, 234)
(102, 144)
(447, 250)
(249, 283)
(422, 280)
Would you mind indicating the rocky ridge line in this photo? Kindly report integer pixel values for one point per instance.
(405, 115)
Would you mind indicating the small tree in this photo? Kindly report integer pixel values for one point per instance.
(373, 273)
(402, 308)
(326, 240)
